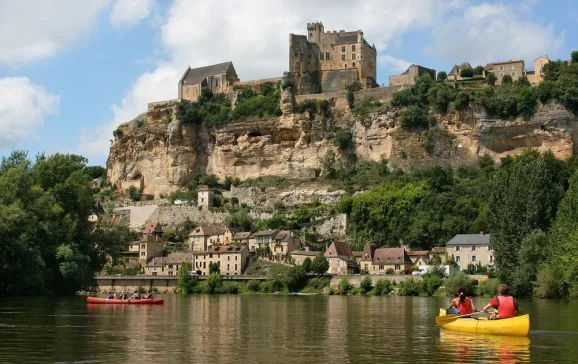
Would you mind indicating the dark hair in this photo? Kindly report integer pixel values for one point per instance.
(503, 290)
(462, 293)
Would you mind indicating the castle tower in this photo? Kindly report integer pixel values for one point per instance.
(314, 31)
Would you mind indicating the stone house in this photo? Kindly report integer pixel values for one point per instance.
(341, 260)
(410, 75)
(241, 238)
(379, 261)
(153, 228)
(419, 257)
(298, 256)
(340, 58)
(217, 77)
(454, 74)
(536, 75)
(471, 249)
(501, 69)
(438, 251)
(204, 197)
(169, 265)
(262, 239)
(200, 238)
(283, 243)
(150, 246)
(231, 260)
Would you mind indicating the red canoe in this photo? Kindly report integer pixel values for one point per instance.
(155, 301)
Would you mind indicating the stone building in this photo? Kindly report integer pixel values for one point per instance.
(341, 259)
(230, 259)
(454, 74)
(284, 243)
(205, 197)
(501, 69)
(379, 261)
(217, 77)
(411, 75)
(169, 265)
(537, 74)
(340, 58)
(469, 249)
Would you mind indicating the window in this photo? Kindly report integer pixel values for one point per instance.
(343, 48)
(513, 74)
(397, 267)
(327, 56)
(474, 248)
(228, 267)
(345, 65)
(143, 246)
(458, 259)
(458, 248)
(170, 266)
(142, 254)
(491, 258)
(228, 258)
(343, 57)
(353, 48)
(381, 267)
(236, 257)
(296, 54)
(202, 200)
(216, 83)
(321, 56)
(474, 258)
(353, 64)
(501, 68)
(204, 264)
(154, 273)
(353, 56)
(235, 267)
(310, 34)
(513, 68)
(501, 75)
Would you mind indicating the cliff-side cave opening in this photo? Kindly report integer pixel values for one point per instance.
(254, 133)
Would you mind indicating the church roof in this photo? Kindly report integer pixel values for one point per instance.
(194, 76)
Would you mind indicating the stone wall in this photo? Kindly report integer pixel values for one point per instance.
(336, 80)
(323, 96)
(356, 279)
(382, 94)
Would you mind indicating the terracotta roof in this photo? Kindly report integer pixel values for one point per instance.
(308, 253)
(391, 256)
(157, 262)
(357, 254)
(506, 62)
(338, 249)
(221, 249)
(414, 253)
(470, 239)
(242, 235)
(153, 227)
(194, 76)
(266, 233)
(205, 230)
(285, 236)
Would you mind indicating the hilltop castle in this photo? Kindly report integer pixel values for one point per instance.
(320, 62)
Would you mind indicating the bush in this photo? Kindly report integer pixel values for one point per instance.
(271, 286)
(214, 282)
(320, 265)
(344, 286)
(414, 118)
(251, 104)
(253, 286)
(409, 287)
(491, 79)
(507, 79)
(307, 264)
(462, 100)
(343, 139)
(550, 283)
(210, 109)
(366, 285)
(390, 271)
(479, 70)
(489, 287)
(467, 72)
(229, 288)
(457, 279)
(317, 284)
(442, 76)
(382, 287)
(430, 284)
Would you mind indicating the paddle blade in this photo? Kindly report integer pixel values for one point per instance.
(443, 320)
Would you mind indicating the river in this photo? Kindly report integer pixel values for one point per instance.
(271, 329)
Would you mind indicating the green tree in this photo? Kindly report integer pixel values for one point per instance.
(307, 264)
(214, 268)
(442, 76)
(328, 164)
(214, 282)
(239, 220)
(507, 79)
(343, 140)
(414, 118)
(526, 101)
(574, 57)
(344, 286)
(523, 81)
(467, 72)
(383, 287)
(491, 78)
(366, 285)
(479, 70)
(320, 265)
(186, 283)
(95, 171)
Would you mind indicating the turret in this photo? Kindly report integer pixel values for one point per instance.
(360, 36)
(314, 31)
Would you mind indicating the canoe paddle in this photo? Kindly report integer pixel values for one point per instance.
(443, 320)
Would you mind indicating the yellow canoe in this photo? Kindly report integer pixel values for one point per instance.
(515, 326)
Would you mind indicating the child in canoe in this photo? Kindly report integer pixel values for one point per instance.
(506, 305)
(462, 305)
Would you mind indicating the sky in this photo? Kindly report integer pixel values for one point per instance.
(72, 71)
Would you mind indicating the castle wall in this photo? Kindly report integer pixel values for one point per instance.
(303, 56)
(336, 80)
(323, 96)
(190, 92)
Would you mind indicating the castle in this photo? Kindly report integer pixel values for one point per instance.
(319, 61)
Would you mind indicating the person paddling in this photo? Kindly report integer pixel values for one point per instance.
(507, 305)
(110, 295)
(123, 295)
(463, 305)
(149, 295)
(136, 296)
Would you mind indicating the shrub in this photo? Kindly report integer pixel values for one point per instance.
(390, 271)
(457, 279)
(307, 264)
(344, 286)
(467, 72)
(343, 139)
(382, 287)
(229, 288)
(249, 103)
(462, 100)
(430, 284)
(320, 265)
(139, 123)
(507, 79)
(546, 90)
(356, 291)
(317, 284)
(409, 287)
(491, 79)
(253, 286)
(366, 285)
(479, 70)
(442, 76)
(414, 118)
(489, 287)
(210, 109)
(214, 282)
(403, 98)
(550, 283)
(526, 101)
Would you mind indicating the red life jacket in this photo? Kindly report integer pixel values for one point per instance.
(506, 307)
(465, 307)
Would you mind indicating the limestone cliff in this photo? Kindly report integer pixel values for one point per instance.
(158, 152)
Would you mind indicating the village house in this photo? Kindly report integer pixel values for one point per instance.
(419, 257)
(283, 243)
(217, 77)
(471, 249)
(204, 197)
(299, 256)
(340, 257)
(241, 238)
(410, 75)
(536, 75)
(230, 259)
(262, 239)
(153, 228)
(221, 237)
(454, 74)
(515, 69)
(169, 265)
(150, 246)
(379, 261)
(201, 238)
(438, 252)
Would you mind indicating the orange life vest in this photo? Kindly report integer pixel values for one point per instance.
(506, 307)
(465, 307)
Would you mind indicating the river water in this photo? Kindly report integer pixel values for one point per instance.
(271, 329)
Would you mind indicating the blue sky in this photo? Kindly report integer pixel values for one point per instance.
(71, 71)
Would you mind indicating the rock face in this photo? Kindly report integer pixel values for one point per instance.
(164, 153)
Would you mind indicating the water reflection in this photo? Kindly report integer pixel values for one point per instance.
(469, 348)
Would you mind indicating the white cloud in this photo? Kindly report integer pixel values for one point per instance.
(128, 13)
(31, 30)
(392, 63)
(255, 37)
(23, 107)
(488, 32)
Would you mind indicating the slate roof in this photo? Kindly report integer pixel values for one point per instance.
(391, 256)
(417, 253)
(346, 38)
(438, 250)
(242, 235)
(506, 62)
(194, 76)
(221, 249)
(266, 233)
(470, 239)
(283, 235)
